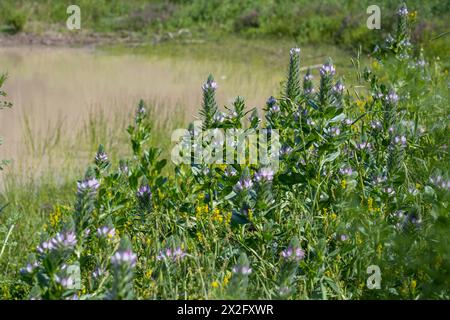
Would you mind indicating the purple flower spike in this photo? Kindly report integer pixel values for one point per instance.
(327, 69)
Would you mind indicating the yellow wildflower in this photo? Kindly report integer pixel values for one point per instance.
(379, 249)
(228, 218)
(216, 216)
(215, 284)
(201, 211)
(375, 65)
(55, 217)
(344, 184)
(358, 239)
(370, 204)
(226, 278)
(413, 284)
(250, 214)
(360, 104)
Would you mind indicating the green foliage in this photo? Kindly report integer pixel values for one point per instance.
(12, 20)
(362, 180)
(313, 22)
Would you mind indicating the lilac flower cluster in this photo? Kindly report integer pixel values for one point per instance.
(327, 69)
(219, 117)
(309, 90)
(440, 182)
(275, 108)
(364, 146)
(376, 125)
(88, 185)
(339, 87)
(106, 232)
(97, 273)
(380, 179)
(402, 219)
(243, 184)
(65, 282)
(272, 104)
(140, 110)
(392, 97)
(300, 112)
(171, 254)
(389, 191)
(30, 267)
(308, 77)
(346, 171)
(242, 270)
(335, 131)
(101, 157)
(230, 172)
(294, 51)
(400, 140)
(62, 241)
(144, 192)
(126, 257)
(347, 121)
(264, 174)
(389, 39)
(123, 168)
(403, 11)
(209, 86)
(285, 150)
(293, 254)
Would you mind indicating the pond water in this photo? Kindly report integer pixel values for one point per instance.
(57, 92)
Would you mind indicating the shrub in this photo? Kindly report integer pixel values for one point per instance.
(15, 20)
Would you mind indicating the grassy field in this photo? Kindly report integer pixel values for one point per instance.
(309, 230)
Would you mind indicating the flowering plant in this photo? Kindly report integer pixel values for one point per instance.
(357, 185)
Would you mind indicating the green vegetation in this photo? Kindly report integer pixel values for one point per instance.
(362, 180)
(307, 22)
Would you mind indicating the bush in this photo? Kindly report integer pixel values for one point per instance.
(14, 20)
